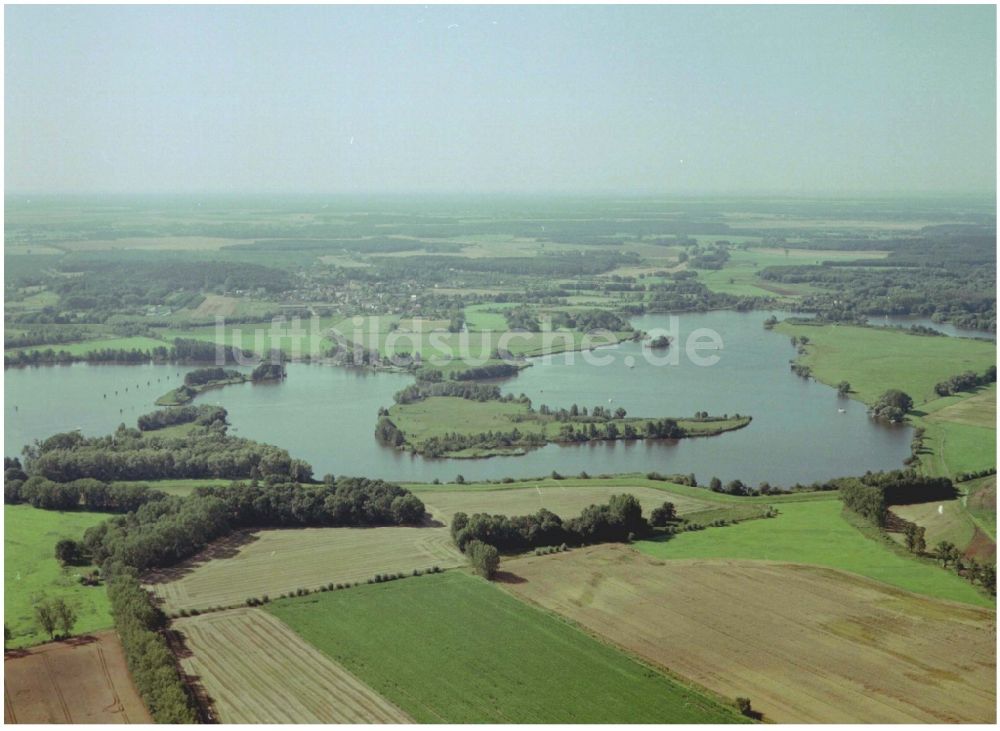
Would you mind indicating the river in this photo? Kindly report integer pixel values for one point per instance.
(801, 430)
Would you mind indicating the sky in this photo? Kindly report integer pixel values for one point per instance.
(513, 99)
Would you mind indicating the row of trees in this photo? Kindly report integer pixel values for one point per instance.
(83, 494)
(967, 381)
(616, 520)
(150, 662)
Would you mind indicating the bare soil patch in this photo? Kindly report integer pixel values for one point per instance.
(81, 680)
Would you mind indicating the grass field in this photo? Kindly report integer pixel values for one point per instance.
(960, 433)
(441, 415)
(85, 346)
(566, 501)
(178, 487)
(275, 562)
(873, 360)
(806, 645)
(947, 520)
(817, 533)
(634, 483)
(981, 502)
(85, 680)
(451, 648)
(31, 572)
(254, 669)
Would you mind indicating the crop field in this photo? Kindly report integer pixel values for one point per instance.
(873, 360)
(84, 680)
(806, 645)
(253, 669)
(960, 433)
(566, 502)
(276, 562)
(31, 572)
(451, 648)
(817, 533)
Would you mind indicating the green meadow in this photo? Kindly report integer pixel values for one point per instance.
(818, 533)
(873, 359)
(451, 648)
(31, 572)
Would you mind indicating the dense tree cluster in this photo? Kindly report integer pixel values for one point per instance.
(105, 287)
(871, 495)
(201, 376)
(488, 371)
(616, 520)
(268, 372)
(203, 415)
(462, 389)
(129, 455)
(892, 405)
(947, 276)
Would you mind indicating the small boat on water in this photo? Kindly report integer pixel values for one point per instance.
(841, 411)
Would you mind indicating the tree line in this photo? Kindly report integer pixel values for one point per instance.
(163, 532)
(130, 455)
(617, 520)
(967, 381)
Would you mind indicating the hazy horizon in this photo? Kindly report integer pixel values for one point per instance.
(743, 102)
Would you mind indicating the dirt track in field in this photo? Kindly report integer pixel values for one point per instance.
(274, 562)
(254, 669)
(804, 644)
(82, 680)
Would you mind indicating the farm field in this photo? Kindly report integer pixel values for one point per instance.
(451, 648)
(566, 502)
(31, 571)
(253, 669)
(873, 360)
(84, 680)
(274, 562)
(817, 533)
(806, 645)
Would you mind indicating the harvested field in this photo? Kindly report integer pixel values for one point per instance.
(83, 680)
(274, 562)
(805, 644)
(253, 669)
(566, 502)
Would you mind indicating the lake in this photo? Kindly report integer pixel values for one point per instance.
(801, 430)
